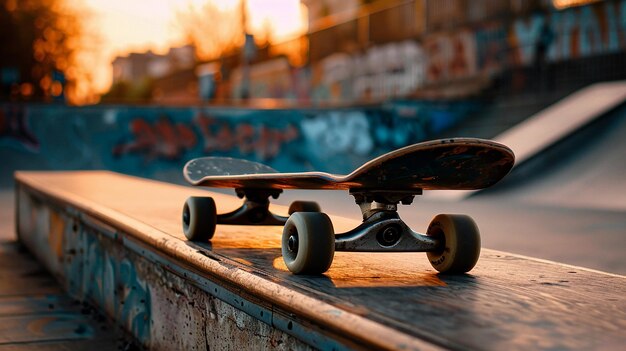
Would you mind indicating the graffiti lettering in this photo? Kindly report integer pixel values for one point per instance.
(265, 142)
(579, 32)
(170, 141)
(450, 56)
(394, 69)
(164, 139)
(339, 132)
(491, 48)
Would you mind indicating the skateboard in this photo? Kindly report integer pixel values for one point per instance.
(451, 242)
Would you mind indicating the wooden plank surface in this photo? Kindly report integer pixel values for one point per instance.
(35, 314)
(385, 300)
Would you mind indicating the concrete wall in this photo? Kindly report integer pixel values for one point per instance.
(155, 142)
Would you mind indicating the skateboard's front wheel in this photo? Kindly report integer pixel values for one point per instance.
(304, 206)
(308, 243)
(199, 218)
(461, 243)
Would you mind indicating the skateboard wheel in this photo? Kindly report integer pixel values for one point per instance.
(199, 218)
(308, 243)
(304, 206)
(461, 240)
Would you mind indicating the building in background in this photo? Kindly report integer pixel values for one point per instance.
(149, 77)
(137, 66)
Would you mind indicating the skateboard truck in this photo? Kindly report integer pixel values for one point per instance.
(254, 210)
(372, 201)
(452, 242)
(382, 229)
(200, 215)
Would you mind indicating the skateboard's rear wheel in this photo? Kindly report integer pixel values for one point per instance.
(308, 243)
(199, 218)
(461, 243)
(304, 206)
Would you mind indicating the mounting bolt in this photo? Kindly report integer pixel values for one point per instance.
(292, 244)
(389, 236)
(186, 215)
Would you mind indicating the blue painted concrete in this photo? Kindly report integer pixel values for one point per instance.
(155, 142)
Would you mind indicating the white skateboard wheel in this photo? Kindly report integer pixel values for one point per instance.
(461, 240)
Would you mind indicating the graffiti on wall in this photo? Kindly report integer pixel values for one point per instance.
(491, 47)
(394, 69)
(111, 281)
(169, 140)
(247, 138)
(361, 134)
(339, 132)
(88, 267)
(401, 68)
(162, 139)
(156, 142)
(576, 32)
(335, 140)
(450, 56)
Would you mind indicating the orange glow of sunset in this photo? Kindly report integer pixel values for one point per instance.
(140, 25)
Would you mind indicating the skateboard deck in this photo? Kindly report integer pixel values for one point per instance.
(450, 164)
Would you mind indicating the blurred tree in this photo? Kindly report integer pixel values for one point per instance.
(136, 92)
(117, 93)
(40, 41)
(211, 29)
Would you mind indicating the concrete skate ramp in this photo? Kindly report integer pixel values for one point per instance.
(569, 154)
(542, 130)
(588, 169)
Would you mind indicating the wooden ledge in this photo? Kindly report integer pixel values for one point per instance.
(384, 301)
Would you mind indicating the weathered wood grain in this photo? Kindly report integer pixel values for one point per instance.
(380, 299)
(21, 274)
(36, 315)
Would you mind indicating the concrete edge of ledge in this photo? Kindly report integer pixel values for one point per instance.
(351, 326)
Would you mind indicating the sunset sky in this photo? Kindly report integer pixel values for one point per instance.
(138, 25)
